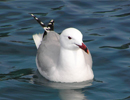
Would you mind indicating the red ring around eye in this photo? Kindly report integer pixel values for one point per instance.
(69, 37)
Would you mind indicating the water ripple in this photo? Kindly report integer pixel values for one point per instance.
(121, 15)
(16, 74)
(124, 46)
(57, 8)
(41, 14)
(113, 10)
(6, 34)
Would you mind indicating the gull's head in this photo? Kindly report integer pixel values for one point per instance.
(71, 38)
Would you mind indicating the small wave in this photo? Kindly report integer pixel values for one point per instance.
(124, 46)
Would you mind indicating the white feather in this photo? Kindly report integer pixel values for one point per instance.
(37, 39)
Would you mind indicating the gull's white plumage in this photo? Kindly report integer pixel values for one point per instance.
(60, 59)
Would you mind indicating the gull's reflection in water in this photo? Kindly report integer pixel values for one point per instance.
(67, 91)
(69, 94)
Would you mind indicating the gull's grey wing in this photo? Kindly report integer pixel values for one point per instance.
(48, 51)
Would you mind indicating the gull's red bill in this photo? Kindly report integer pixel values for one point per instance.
(84, 47)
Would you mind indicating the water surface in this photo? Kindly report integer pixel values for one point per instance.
(106, 29)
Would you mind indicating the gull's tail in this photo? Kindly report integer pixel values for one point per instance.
(50, 26)
(38, 37)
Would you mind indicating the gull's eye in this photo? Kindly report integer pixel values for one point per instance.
(69, 37)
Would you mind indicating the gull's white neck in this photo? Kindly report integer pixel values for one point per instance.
(71, 59)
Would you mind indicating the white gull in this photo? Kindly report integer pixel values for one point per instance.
(62, 58)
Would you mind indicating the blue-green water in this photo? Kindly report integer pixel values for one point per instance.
(106, 29)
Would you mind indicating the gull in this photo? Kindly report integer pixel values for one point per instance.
(62, 58)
